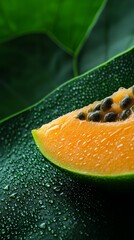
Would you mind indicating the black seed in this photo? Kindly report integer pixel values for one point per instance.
(106, 104)
(81, 116)
(94, 116)
(110, 117)
(125, 102)
(125, 114)
(97, 107)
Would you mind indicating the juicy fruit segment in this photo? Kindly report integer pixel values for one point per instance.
(92, 147)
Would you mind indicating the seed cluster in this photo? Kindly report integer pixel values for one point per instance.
(105, 111)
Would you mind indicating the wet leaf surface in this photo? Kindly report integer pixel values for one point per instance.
(39, 201)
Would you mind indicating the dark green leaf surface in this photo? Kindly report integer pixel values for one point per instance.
(30, 67)
(113, 33)
(63, 20)
(39, 201)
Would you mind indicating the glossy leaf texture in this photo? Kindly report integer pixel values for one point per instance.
(62, 20)
(112, 34)
(39, 201)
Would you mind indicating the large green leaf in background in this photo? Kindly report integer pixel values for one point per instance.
(31, 66)
(113, 33)
(37, 200)
(67, 21)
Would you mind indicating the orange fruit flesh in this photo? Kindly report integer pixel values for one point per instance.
(92, 148)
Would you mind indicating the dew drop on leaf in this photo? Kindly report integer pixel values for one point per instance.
(42, 225)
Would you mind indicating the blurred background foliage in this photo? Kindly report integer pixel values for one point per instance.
(44, 43)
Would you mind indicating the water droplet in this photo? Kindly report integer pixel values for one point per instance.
(13, 195)
(47, 185)
(3, 231)
(6, 187)
(40, 202)
(65, 218)
(56, 189)
(49, 228)
(42, 225)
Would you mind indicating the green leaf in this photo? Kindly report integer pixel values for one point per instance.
(29, 63)
(39, 201)
(62, 20)
(30, 67)
(112, 34)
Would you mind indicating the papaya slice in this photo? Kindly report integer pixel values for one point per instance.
(97, 139)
